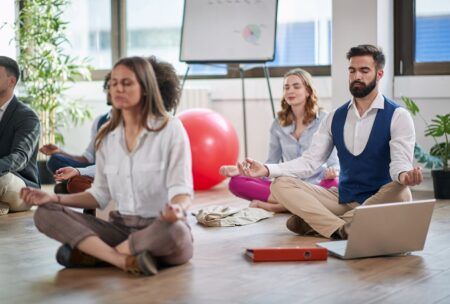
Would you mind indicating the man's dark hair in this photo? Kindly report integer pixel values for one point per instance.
(106, 88)
(106, 81)
(11, 66)
(368, 49)
(168, 82)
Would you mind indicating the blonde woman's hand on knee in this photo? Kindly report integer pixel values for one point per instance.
(330, 173)
(253, 168)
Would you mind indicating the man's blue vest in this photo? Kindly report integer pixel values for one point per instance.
(363, 175)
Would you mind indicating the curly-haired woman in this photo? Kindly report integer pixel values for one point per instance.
(291, 135)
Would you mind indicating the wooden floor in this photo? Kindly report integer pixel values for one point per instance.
(219, 273)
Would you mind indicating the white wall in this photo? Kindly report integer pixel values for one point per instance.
(227, 100)
(432, 95)
(354, 22)
(91, 94)
(360, 22)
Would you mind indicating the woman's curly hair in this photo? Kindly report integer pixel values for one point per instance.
(168, 82)
(286, 116)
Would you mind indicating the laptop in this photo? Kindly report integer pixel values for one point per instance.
(385, 229)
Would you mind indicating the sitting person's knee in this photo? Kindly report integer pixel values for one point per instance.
(40, 216)
(54, 162)
(237, 180)
(283, 179)
(182, 243)
(5, 181)
(43, 216)
(401, 193)
(179, 234)
(280, 182)
(405, 194)
(235, 184)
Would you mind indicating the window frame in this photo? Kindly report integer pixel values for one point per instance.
(119, 50)
(405, 42)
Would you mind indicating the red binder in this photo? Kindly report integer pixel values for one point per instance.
(271, 254)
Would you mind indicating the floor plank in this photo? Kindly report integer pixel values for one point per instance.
(220, 273)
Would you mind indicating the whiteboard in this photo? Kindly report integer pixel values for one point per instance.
(228, 31)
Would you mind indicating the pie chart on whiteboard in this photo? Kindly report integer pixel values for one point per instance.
(252, 33)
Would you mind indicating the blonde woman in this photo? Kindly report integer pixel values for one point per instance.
(291, 135)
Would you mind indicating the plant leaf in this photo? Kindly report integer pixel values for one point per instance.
(410, 105)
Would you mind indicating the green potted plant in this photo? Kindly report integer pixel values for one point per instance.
(47, 69)
(437, 159)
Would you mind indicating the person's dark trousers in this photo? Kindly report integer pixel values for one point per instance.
(58, 161)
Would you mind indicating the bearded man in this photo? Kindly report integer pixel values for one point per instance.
(374, 138)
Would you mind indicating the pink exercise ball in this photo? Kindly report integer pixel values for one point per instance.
(214, 143)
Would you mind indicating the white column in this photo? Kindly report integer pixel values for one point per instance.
(360, 22)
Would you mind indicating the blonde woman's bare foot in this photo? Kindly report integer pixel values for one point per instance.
(268, 206)
(254, 204)
(229, 171)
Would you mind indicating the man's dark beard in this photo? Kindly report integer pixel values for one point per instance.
(364, 90)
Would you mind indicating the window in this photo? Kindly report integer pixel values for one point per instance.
(422, 37)
(106, 30)
(155, 29)
(7, 17)
(89, 31)
(303, 33)
(432, 31)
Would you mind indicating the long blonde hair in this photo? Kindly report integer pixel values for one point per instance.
(151, 102)
(286, 116)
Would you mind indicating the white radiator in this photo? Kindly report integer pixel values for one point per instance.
(194, 98)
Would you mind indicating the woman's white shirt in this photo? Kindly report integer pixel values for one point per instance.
(143, 180)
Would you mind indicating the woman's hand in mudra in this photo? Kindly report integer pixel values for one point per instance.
(65, 173)
(252, 168)
(36, 197)
(331, 173)
(172, 213)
